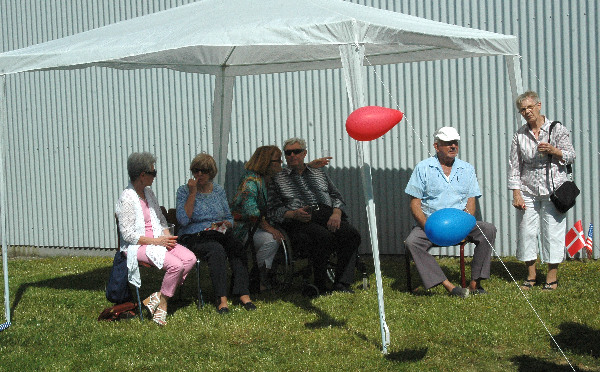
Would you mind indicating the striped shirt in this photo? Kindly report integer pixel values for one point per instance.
(528, 168)
(290, 190)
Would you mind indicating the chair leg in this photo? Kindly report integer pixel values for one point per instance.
(140, 305)
(407, 264)
(462, 265)
(200, 299)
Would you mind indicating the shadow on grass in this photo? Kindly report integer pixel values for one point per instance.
(407, 355)
(517, 269)
(393, 267)
(526, 363)
(578, 339)
(95, 280)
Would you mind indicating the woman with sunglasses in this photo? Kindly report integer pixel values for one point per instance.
(206, 222)
(249, 207)
(144, 235)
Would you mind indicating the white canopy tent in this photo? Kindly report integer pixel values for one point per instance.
(228, 38)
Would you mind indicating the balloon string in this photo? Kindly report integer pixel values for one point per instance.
(407, 119)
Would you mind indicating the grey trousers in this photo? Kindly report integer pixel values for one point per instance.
(483, 235)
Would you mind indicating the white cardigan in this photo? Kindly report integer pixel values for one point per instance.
(132, 227)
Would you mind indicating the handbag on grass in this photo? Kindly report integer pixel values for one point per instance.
(117, 288)
(564, 196)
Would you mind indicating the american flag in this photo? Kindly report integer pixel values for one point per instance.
(589, 241)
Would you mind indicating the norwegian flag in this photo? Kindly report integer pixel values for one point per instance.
(574, 239)
(589, 241)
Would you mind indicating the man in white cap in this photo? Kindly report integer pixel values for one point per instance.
(444, 181)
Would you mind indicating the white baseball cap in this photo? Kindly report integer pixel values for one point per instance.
(446, 134)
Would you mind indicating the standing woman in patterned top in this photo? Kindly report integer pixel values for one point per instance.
(206, 222)
(535, 162)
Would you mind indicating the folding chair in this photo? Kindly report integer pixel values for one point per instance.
(463, 281)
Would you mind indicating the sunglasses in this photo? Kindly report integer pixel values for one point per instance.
(201, 170)
(294, 151)
(152, 173)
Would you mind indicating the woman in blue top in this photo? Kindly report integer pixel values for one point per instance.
(206, 222)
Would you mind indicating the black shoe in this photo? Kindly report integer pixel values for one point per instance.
(223, 310)
(340, 287)
(249, 306)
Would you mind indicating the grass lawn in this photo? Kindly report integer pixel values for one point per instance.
(55, 303)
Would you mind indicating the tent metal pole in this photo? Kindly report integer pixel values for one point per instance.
(3, 130)
(352, 61)
(221, 121)
(513, 65)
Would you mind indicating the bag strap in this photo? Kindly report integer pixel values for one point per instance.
(568, 166)
(552, 125)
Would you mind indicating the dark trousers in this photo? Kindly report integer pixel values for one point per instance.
(319, 243)
(483, 235)
(215, 250)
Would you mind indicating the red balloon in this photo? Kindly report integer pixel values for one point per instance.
(370, 122)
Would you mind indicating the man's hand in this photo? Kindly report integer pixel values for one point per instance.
(320, 163)
(334, 222)
(301, 215)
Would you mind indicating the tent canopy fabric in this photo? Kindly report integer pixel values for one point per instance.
(241, 37)
(228, 38)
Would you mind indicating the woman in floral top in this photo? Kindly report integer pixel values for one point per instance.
(250, 204)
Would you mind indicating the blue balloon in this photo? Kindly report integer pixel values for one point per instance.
(449, 226)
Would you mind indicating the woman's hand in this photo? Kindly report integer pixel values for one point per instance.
(277, 235)
(518, 201)
(547, 148)
(168, 241)
(192, 185)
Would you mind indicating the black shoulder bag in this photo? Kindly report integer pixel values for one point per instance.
(564, 196)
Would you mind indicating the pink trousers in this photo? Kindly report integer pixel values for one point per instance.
(178, 263)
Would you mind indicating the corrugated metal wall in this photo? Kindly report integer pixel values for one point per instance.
(70, 132)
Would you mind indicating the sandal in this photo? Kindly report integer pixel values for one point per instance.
(152, 302)
(528, 283)
(160, 317)
(548, 286)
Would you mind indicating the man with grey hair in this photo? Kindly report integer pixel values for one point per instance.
(444, 181)
(309, 207)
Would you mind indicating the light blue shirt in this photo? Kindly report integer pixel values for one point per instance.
(208, 208)
(429, 183)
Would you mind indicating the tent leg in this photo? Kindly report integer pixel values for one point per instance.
(513, 65)
(352, 57)
(3, 130)
(221, 122)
